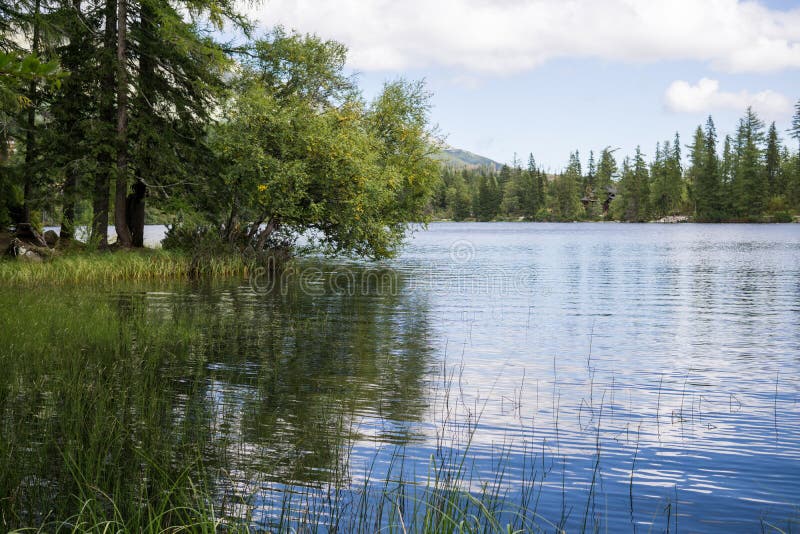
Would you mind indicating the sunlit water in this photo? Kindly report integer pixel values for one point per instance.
(637, 377)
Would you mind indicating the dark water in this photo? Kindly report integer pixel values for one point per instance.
(637, 377)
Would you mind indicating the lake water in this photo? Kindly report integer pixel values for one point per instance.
(625, 377)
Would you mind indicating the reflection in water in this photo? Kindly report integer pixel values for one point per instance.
(266, 388)
(620, 377)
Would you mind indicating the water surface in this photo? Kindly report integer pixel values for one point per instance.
(636, 377)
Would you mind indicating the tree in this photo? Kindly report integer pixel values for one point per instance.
(458, 197)
(606, 171)
(489, 196)
(706, 176)
(299, 152)
(531, 191)
(28, 73)
(775, 185)
(17, 73)
(794, 181)
(794, 131)
(697, 160)
(635, 185)
(750, 184)
(566, 203)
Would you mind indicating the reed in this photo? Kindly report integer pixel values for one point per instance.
(112, 420)
(131, 266)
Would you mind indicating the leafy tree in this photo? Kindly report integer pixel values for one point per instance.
(301, 153)
(458, 197)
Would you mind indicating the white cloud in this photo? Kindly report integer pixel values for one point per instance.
(501, 36)
(706, 96)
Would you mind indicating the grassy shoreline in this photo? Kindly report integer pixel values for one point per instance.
(118, 266)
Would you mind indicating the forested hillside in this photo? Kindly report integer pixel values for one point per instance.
(750, 175)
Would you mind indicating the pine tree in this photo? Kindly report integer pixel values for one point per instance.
(774, 184)
(606, 171)
(530, 195)
(489, 197)
(750, 185)
(707, 178)
(793, 186)
(457, 197)
(636, 189)
(697, 161)
(794, 131)
(727, 170)
(674, 176)
(566, 201)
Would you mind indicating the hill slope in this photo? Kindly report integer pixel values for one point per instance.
(455, 157)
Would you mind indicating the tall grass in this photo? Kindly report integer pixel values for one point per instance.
(170, 408)
(105, 426)
(133, 266)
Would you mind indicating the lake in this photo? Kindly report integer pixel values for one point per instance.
(615, 377)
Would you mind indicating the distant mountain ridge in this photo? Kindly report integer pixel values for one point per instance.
(455, 157)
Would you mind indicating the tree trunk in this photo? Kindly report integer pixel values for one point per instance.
(30, 136)
(121, 190)
(135, 213)
(272, 225)
(68, 214)
(102, 189)
(144, 113)
(233, 220)
(65, 108)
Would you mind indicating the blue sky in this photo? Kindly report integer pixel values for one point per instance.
(553, 76)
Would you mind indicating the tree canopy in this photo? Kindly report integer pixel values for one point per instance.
(257, 144)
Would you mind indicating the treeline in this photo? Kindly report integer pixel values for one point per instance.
(750, 176)
(112, 111)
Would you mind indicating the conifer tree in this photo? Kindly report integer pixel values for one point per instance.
(606, 170)
(772, 167)
(750, 185)
(707, 178)
(793, 186)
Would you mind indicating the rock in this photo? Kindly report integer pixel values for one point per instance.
(25, 251)
(26, 232)
(672, 219)
(51, 238)
(30, 256)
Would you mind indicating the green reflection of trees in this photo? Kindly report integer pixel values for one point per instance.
(150, 400)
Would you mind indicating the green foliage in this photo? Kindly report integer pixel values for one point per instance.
(16, 71)
(300, 153)
(566, 200)
(667, 180)
(750, 181)
(489, 198)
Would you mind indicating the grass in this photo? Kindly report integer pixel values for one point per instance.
(108, 267)
(107, 425)
(153, 408)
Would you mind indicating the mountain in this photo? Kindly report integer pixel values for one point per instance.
(455, 157)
